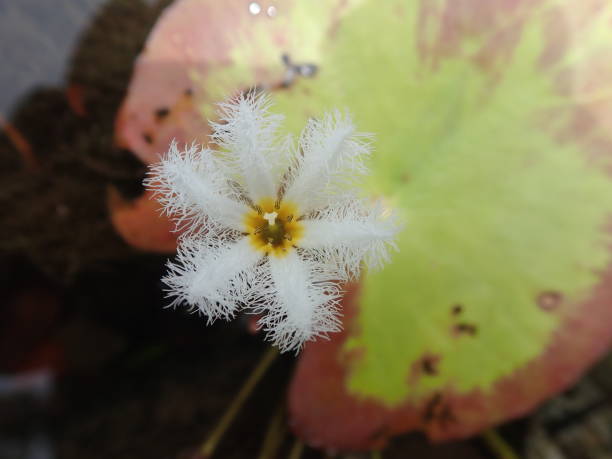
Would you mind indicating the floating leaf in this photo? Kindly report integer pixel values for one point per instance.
(492, 141)
(140, 223)
(201, 52)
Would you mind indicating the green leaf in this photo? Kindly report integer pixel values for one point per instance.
(492, 142)
(489, 145)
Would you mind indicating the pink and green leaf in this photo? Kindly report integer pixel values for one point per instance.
(140, 223)
(492, 141)
(201, 53)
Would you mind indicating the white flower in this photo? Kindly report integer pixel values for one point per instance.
(269, 227)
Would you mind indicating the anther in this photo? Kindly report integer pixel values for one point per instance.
(271, 217)
(289, 218)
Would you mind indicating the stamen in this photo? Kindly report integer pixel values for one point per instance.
(285, 181)
(271, 217)
(313, 214)
(274, 231)
(242, 194)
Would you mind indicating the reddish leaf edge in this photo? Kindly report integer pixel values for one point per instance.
(325, 415)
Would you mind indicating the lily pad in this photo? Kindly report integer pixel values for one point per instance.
(492, 142)
(140, 223)
(201, 52)
(492, 134)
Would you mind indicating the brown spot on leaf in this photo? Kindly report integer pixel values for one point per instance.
(465, 328)
(161, 113)
(432, 407)
(147, 137)
(429, 364)
(457, 309)
(439, 411)
(549, 300)
(447, 416)
(426, 365)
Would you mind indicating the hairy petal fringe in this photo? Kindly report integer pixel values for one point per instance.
(212, 276)
(193, 190)
(300, 303)
(209, 194)
(247, 131)
(330, 158)
(348, 234)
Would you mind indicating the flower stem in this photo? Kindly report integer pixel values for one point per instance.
(274, 434)
(501, 449)
(296, 450)
(208, 447)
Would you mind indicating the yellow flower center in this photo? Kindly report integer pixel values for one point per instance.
(274, 227)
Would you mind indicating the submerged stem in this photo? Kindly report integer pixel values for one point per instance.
(296, 450)
(501, 449)
(274, 434)
(209, 446)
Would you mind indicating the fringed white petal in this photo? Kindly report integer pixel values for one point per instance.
(212, 276)
(192, 188)
(247, 131)
(211, 194)
(349, 233)
(331, 159)
(300, 303)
